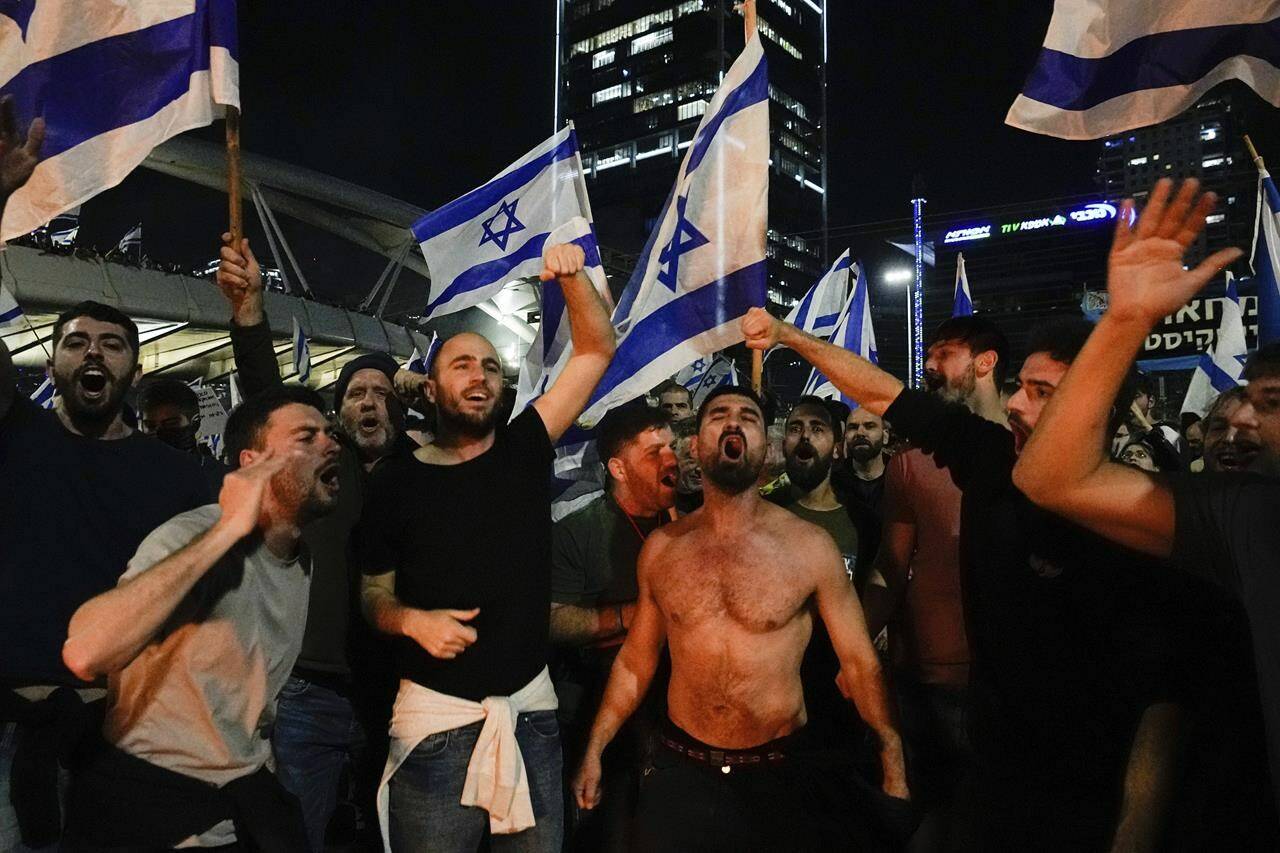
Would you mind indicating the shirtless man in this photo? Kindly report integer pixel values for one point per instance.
(730, 586)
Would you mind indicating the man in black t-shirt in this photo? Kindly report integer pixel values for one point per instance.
(1221, 526)
(455, 546)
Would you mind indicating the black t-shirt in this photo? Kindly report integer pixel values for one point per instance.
(73, 510)
(476, 534)
(1070, 636)
(1227, 532)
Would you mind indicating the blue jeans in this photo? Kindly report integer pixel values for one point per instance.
(426, 793)
(316, 736)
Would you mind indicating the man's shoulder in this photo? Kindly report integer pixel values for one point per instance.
(190, 523)
(588, 517)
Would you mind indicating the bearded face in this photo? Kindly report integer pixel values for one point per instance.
(93, 368)
(809, 446)
(365, 413)
(731, 443)
(466, 385)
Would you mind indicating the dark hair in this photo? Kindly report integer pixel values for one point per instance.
(1144, 384)
(1237, 393)
(738, 390)
(621, 425)
(102, 313)
(980, 335)
(832, 409)
(172, 392)
(244, 427)
(1263, 364)
(671, 385)
(1061, 338)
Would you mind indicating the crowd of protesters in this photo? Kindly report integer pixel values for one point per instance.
(945, 618)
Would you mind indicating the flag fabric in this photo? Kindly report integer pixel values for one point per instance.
(704, 264)
(721, 372)
(233, 390)
(475, 244)
(112, 79)
(819, 310)
(46, 395)
(1108, 66)
(854, 333)
(552, 344)
(301, 353)
(65, 228)
(578, 474)
(1266, 259)
(1221, 367)
(690, 376)
(10, 310)
(963, 305)
(130, 244)
(424, 352)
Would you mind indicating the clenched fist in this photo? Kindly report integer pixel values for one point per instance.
(562, 261)
(761, 329)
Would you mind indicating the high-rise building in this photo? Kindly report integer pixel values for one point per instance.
(636, 77)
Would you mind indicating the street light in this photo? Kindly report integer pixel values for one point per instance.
(896, 276)
(899, 275)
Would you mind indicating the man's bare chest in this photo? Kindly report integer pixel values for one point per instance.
(755, 589)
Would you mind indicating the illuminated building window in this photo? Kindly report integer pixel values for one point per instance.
(773, 35)
(782, 98)
(784, 6)
(603, 58)
(665, 97)
(1211, 162)
(691, 110)
(1215, 218)
(651, 40)
(611, 93)
(638, 27)
(1138, 161)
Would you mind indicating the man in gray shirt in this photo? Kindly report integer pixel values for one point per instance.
(197, 640)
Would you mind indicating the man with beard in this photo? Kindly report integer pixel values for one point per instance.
(861, 477)
(676, 400)
(197, 639)
(730, 589)
(1231, 439)
(170, 411)
(82, 489)
(1069, 687)
(593, 600)
(809, 450)
(689, 479)
(333, 709)
(464, 584)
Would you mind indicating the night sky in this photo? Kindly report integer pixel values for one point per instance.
(423, 101)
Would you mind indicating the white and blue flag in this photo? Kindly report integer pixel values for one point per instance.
(963, 304)
(424, 352)
(301, 353)
(854, 333)
(10, 310)
(704, 264)
(1266, 259)
(476, 244)
(1221, 367)
(819, 310)
(721, 372)
(112, 79)
(1111, 65)
(130, 244)
(46, 395)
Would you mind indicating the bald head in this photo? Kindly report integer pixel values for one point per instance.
(464, 345)
(466, 384)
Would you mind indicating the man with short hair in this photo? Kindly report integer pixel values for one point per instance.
(82, 490)
(1070, 690)
(197, 639)
(732, 589)
(169, 410)
(593, 598)
(861, 474)
(1218, 525)
(1231, 439)
(675, 400)
(464, 583)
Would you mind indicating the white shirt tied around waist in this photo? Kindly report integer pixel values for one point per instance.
(496, 779)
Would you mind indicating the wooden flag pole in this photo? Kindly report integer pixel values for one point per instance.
(1253, 152)
(757, 356)
(233, 176)
(757, 371)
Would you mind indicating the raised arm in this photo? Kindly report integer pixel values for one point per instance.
(593, 341)
(861, 678)
(240, 280)
(853, 375)
(630, 677)
(109, 630)
(18, 156)
(1064, 467)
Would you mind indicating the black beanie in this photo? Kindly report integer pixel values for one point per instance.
(370, 361)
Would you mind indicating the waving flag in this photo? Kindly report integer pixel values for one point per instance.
(424, 352)
(855, 333)
(704, 264)
(1266, 259)
(721, 372)
(1220, 369)
(301, 353)
(552, 345)
(113, 79)
(963, 305)
(1111, 65)
(46, 395)
(475, 244)
(130, 244)
(819, 310)
(10, 311)
(233, 390)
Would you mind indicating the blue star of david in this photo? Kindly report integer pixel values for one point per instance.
(20, 11)
(686, 238)
(502, 234)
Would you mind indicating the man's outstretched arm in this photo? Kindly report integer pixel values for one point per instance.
(853, 375)
(1063, 467)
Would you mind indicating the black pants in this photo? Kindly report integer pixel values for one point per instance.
(801, 803)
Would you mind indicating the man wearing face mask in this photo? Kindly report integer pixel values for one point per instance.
(170, 411)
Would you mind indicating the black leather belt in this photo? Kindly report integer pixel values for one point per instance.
(723, 757)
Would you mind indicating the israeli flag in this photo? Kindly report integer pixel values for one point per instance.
(704, 264)
(131, 243)
(819, 310)
(1266, 259)
(10, 310)
(423, 354)
(855, 333)
(1111, 65)
(46, 395)
(691, 375)
(963, 305)
(113, 79)
(552, 345)
(721, 372)
(1221, 368)
(65, 228)
(301, 353)
(476, 244)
